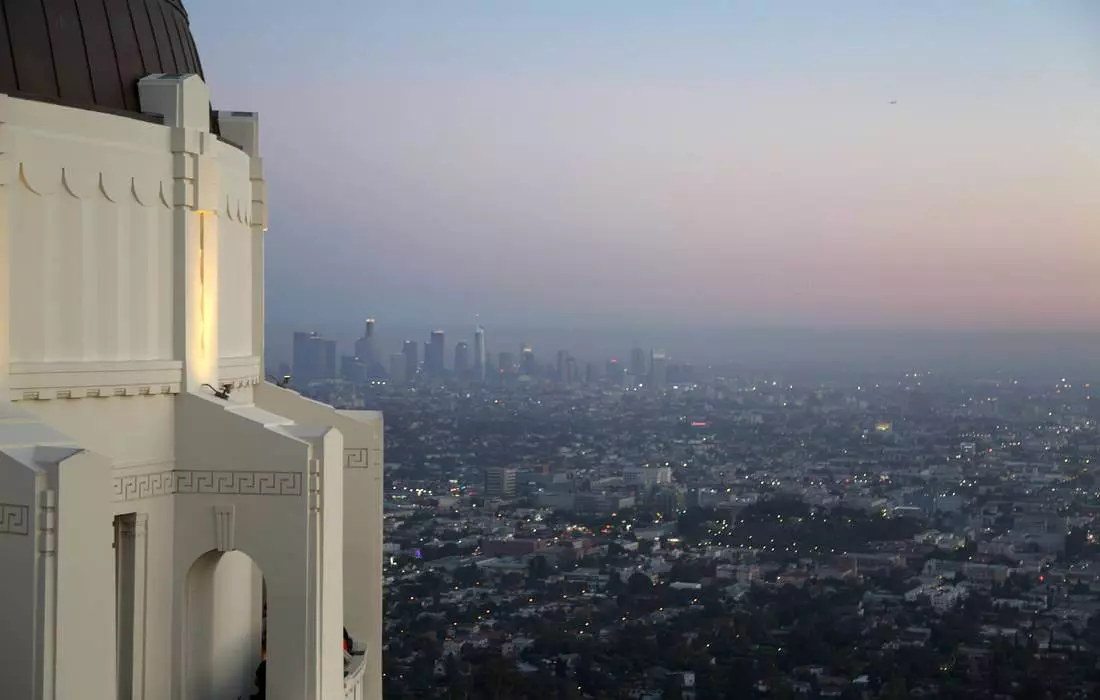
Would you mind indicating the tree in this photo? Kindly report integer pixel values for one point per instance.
(639, 583)
(538, 568)
(614, 583)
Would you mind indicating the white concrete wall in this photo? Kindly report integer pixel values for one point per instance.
(328, 571)
(96, 211)
(283, 485)
(137, 433)
(362, 521)
(20, 670)
(85, 578)
(130, 273)
(235, 643)
(133, 431)
(89, 212)
(363, 488)
(234, 256)
(159, 636)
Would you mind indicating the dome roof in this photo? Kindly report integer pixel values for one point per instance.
(91, 53)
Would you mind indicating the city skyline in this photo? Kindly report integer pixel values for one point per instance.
(1026, 354)
(730, 164)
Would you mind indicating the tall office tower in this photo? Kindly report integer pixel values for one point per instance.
(462, 359)
(409, 350)
(658, 369)
(681, 374)
(302, 361)
(562, 367)
(480, 365)
(397, 367)
(591, 374)
(353, 369)
(506, 362)
(616, 373)
(637, 366)
(570, 370)
(314, 358)
(434, 354)
(527, 360)
(328, 362)
(364, 346)
(500, 482)
(152, 583)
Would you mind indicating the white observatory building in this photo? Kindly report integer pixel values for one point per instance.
(167, 518)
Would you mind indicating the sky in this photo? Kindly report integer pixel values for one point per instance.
(623, 163)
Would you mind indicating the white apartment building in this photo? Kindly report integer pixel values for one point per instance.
(167, 518)
(647, 476)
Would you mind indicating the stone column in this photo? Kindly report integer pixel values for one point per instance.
(141, 577)
(184, 103)
(243, 129)
(85, 623)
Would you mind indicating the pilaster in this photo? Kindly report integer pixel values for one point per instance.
(183, 101)
(141, 578)
(243, 130)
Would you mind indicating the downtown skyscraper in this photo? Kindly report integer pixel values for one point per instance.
(462, 359)
(434, 349)
(479, 354)
(364, 346)
(412, 355)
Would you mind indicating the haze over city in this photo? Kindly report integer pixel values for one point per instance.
(709, 164)
(559, 350)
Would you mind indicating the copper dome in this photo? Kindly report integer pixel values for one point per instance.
(91, 53)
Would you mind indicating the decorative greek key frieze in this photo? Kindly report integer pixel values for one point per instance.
(356, 458)
(129, 488)
(15, 519)
(235, 483)
(239, 483)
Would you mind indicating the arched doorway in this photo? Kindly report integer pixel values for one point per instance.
(224, 633)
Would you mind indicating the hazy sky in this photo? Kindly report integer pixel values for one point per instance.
(587, 162)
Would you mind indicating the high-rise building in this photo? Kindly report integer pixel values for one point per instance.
(480, 364)
(154, 582)
(591, 374)
(658, 368)
(616, 373)
(433, 355)
(527, 360)
(412, 361)
(500, 482)
(637, 366)
(647, 476)
(562, 367)
(397, 367)
(462, 359)
(667, 500)
(506, 362)
(314, 358)
(302, 358)
(353, 369)
(364, 346)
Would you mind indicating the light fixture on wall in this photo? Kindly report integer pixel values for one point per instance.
(281, 383)
(222, 393)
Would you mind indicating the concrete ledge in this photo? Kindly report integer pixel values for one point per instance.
(36, 381)
(239, 371)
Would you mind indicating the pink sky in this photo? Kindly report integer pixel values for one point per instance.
(569, 166)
